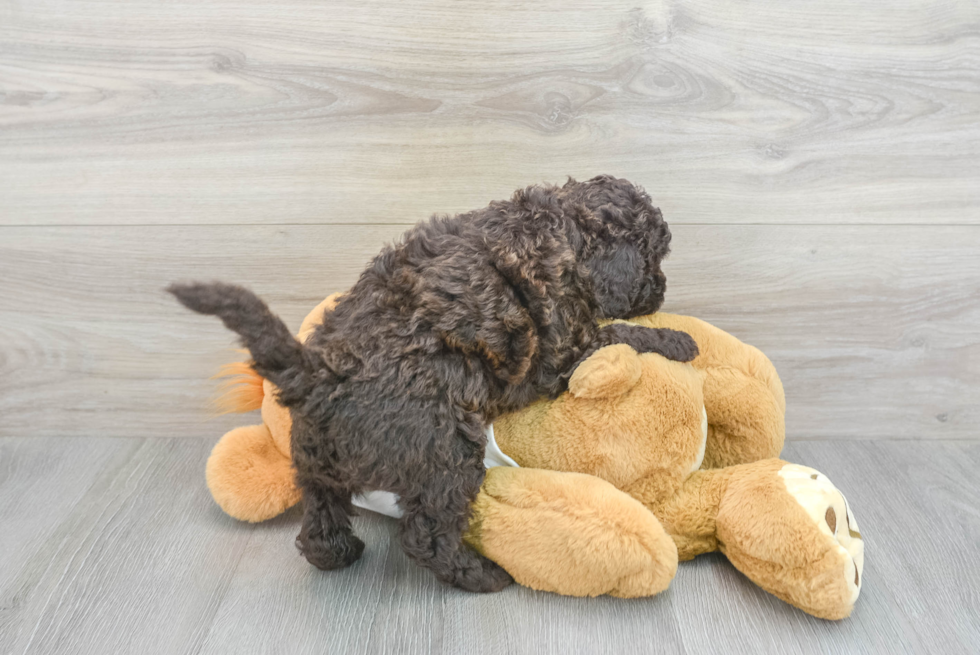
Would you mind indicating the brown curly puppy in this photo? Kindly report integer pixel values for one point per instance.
(467, 317)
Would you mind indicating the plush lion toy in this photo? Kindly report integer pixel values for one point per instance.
(643, 462)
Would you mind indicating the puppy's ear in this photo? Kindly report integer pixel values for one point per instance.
(615, 273)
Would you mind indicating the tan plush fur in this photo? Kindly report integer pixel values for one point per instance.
(641, 433)
(608, 499)
(540, 525)
(249, 477)
(767, 535)
(665, 394)
(743, 394)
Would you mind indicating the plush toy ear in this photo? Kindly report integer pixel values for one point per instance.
(611, 371)
(315, 317)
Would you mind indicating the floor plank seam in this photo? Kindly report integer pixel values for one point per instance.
(226, 587)
(58, 587)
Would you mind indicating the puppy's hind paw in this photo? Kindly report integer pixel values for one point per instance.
(334, 551)
(482, 577)
(495, 577)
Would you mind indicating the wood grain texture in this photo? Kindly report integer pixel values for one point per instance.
(124, 112)
(143, 562)
(34, 509)
(873, 329)
(138, 566)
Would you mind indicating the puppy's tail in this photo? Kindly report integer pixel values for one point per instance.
(276, 354)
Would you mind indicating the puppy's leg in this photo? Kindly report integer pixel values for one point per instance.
(326, 539)
(432, 529)
(672, 344)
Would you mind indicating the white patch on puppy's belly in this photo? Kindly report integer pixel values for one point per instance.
(382, 502)
(385, 502)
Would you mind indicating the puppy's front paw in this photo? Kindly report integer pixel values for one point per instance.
(678, 346)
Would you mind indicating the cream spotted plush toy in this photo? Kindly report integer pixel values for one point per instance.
(644, 462)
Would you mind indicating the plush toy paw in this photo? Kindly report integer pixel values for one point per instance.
(829, 511)
(570, 533)
(791, 532)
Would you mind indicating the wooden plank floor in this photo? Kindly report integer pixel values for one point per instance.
(113, 546)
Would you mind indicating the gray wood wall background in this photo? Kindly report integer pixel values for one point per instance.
(819, 164)
(818, 161)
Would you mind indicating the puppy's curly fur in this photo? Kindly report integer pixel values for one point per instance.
(467, 317)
